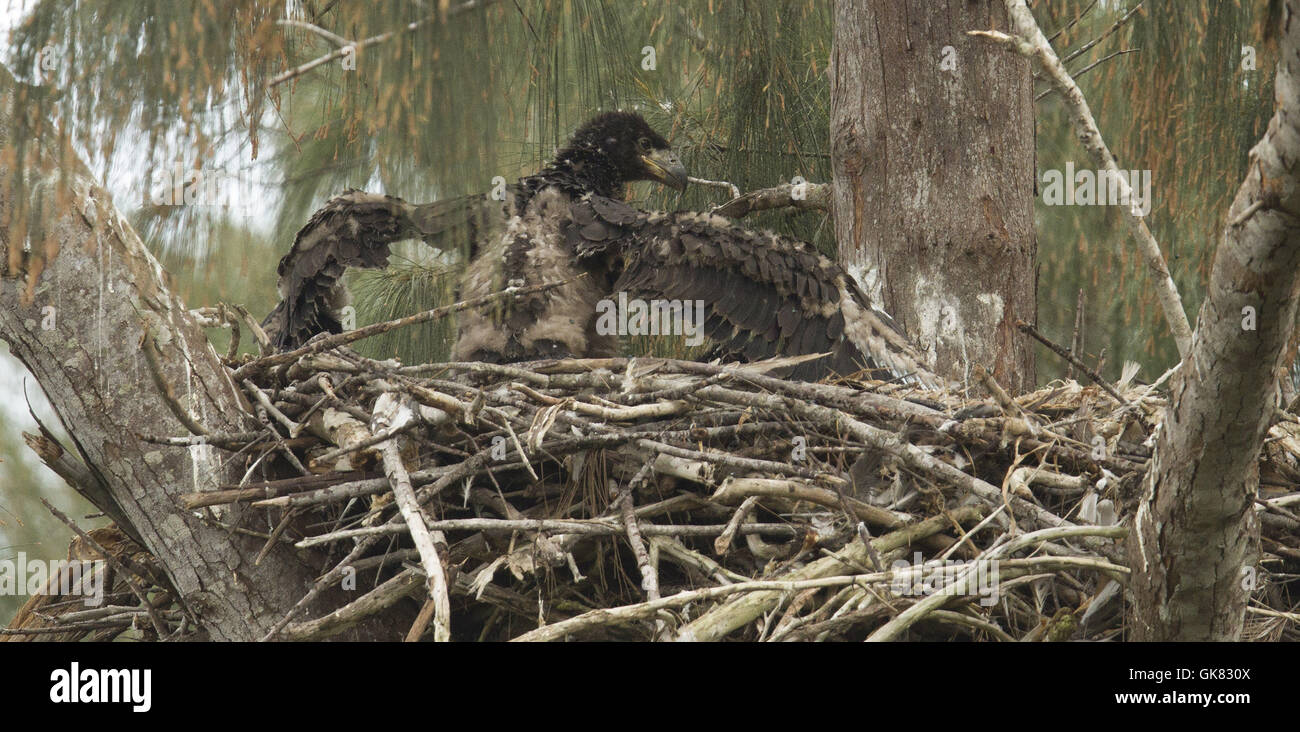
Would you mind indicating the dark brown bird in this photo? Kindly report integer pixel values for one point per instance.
(762, 295)
(759, 294)
(513, 238)
(603, 156)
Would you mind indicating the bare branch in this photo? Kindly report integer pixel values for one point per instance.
(804, 197)
(1029, 42)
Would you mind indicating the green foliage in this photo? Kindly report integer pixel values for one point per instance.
(237, 267)
(388, 294)
(492, 88)
(741, 88)
(1181, 107)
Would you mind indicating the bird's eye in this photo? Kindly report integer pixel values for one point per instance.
(644, 144)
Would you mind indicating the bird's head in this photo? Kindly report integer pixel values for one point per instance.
(615, 148)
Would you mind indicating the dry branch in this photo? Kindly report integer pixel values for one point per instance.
(1028, 40)
(607, 498)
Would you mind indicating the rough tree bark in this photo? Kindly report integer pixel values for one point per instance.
(1195, 533)
(932, 149)
(106, 291)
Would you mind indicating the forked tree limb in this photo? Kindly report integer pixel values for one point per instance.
(352, 47)
(391, 414)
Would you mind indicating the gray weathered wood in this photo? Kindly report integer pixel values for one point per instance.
(106, 292)
(934, 178)
(1195, 537)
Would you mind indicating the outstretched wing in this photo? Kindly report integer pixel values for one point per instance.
(463, 225)
(763, 295)
(351, 230)
(355, 229)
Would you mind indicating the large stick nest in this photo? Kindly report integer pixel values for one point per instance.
(639, 499)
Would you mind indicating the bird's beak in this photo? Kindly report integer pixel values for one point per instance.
(663, 166)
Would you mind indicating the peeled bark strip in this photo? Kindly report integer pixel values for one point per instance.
(106, 291)
(932, 148)
(1195, 536)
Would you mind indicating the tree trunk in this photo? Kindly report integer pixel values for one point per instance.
(1195, 533)
(73, 310)
(932, 148)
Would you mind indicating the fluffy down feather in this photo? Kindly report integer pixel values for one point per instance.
(555, 323)
(763, 295)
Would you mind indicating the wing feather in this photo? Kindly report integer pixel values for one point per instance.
(764, 295)
(355, 229)
(351, 230)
